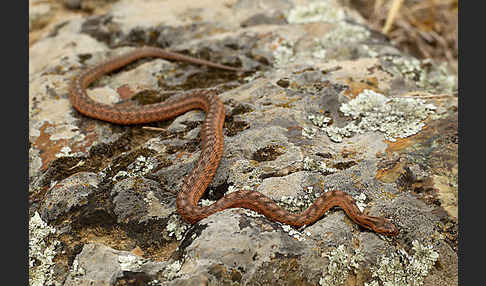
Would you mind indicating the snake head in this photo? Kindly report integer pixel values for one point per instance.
(379, 225)
(383, 226)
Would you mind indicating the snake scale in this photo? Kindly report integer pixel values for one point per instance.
(196, 183)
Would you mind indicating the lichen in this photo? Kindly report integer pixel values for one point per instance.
(360, 201)
(320, 166)
(432, 77)
(340, 263)
(395, 117)
(120, 175)
(65, 152)
(41, 252)
(205, 202)
(231, 189)
(337, 134)
(129, 262)
(76, 271)
(176, 227)
(299, 204)
(346, 33)
(401, 269)
(397, 269)
(300, 236)
(170, 272)
(283, 53)
(320, 120)
(140, 167)
(323, 11)
(343, 35)
(309, 132)
(294, 204)
(245, 171)
(371, 111)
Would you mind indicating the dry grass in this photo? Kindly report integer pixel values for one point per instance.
(422, 28)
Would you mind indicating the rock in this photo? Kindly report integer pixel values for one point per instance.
(330, 105)
(101, 265)
(69, 194)
(39, 14)
(138, 199)
(73, 4)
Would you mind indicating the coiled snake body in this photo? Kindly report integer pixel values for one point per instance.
(197, 181)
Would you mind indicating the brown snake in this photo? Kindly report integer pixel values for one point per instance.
(197, 181)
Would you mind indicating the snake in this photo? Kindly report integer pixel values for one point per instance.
(197, 181)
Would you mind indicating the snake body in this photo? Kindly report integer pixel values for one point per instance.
(196, 183)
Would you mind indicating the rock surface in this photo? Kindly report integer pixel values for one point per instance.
(329, 105)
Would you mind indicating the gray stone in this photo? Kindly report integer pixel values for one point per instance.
(100, 265)
(139, 199)
(330, 105)
(73, 4)
(72, 192)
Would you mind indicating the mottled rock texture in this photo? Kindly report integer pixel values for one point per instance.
(329, 104)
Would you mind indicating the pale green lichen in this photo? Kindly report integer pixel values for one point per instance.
(253, 214)
(360, 201)
(396, 269)
(298, 235)
(65, 152)
(310, 164)
(320, 120)
(140, 167)
(205, 202)
(283, 54)
(370, 52)
(343, 35)
(296, 204)
(318, 49)
(339, 39)
(395, 117)
(76, 271)
(371, 111)
(128, 260)
(231, 189)
(340, 263)
(245, 171)
(154, 282)
(426, 74)
(176, 227)
(334, 133)
(41, 252)
(309, 132)
(322, 11)
(52, 184)
(346, 33)
(120, 175)
(356, 259)
(337, 134)
(299, 203)
(403, 269)
(170, 272)
(337, 268)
